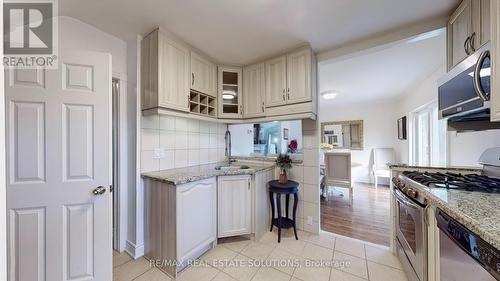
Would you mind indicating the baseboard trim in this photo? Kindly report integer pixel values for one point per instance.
(135, 251)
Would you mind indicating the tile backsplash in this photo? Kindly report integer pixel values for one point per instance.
(169, 142)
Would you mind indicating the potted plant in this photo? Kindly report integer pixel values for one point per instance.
(284, 162)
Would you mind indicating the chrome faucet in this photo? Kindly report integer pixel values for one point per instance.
(227, 140)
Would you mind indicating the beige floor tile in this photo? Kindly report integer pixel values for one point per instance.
(236, 246)
(380, 272)
(283, 261)
(315, 252)
(242, 268)
(270, 274)
(197, 273)
(257, 251)
(323, 240)
(218, 256)
(130, 270)
(337, 275)
(312, 273)
(270, 238)
(221, 276)
(291, 245)
(354, 265)
(153, 275)
(120, 258)
(350, 247)
(382, 256)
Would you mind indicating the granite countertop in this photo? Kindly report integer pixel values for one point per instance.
(195, 173)
(449, 168)
(478, 211)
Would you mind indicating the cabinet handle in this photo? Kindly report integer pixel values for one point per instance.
(241, 109)
(472, 42)
(192, 79)
(466, 45)
(284, 94)
(262, 106)
(248, 185)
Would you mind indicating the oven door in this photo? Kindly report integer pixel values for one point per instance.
(411, 232)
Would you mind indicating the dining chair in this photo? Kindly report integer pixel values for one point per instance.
(338, 171)
(381, 157)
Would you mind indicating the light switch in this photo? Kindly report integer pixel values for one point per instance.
(159, 153)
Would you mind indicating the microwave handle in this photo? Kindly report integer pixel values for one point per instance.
(477, 76)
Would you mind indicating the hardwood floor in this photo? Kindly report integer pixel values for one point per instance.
(368, 219)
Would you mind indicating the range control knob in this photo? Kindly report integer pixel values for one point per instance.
(412, 193)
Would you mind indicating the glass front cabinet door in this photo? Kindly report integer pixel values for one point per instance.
(230, 88)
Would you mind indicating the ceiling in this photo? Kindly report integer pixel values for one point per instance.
(384, 74)
(241, 32)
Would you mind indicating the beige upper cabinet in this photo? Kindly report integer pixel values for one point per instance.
(495, 61)
(276, 81)
(288, 78)
(481, 22)
(230, 98)
(254, 91)
(165, 73)
(203, 75)
(298, 67)
(459, 32)
(468, 30)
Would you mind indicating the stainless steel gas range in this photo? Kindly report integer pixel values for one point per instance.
(462, 252)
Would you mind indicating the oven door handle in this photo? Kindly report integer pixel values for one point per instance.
(402, 198)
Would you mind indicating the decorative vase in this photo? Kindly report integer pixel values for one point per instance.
(283, 177)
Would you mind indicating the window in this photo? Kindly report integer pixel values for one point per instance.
(428, 137)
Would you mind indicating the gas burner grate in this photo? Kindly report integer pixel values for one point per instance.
(470, 182)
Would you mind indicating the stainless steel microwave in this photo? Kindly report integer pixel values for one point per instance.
(464, 92)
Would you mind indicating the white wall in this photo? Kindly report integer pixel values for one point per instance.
(379, 126)
(241, 139)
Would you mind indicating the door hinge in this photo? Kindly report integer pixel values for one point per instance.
(111, 188)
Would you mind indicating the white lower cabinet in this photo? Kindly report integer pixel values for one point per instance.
(234, 205)
(196, 217)
(180, 222)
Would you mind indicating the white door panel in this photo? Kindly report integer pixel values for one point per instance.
(59, 144)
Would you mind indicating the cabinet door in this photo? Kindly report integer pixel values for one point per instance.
(253, 91)
(203, 75)
(149, 71)
(459, 30)
(481, 21)
(230, 102)
(495, 61)
(196, 217)
(298, 67)
(234, 206)
(173, 74)
(275, 81)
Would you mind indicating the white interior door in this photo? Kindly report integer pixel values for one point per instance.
(59, 151)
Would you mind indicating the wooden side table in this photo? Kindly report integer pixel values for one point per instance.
(275, 188)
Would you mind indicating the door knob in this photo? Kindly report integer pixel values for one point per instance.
(99, 190)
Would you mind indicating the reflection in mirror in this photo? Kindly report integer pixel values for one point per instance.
(342, 134)
(266, 139)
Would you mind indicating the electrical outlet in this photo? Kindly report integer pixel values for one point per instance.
(309, 220)
(159, 153)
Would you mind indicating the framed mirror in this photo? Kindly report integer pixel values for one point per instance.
(343, 134)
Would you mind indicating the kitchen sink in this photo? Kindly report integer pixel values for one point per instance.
(232, 167)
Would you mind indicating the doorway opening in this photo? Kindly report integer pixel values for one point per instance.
(375, 88)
